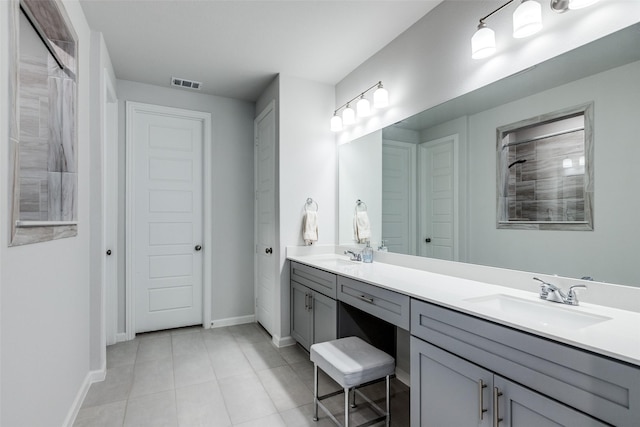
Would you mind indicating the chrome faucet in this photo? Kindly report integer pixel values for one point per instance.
(551, 292)
(353, 256)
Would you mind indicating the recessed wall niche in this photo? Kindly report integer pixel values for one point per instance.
(545, 171)
(43, 122)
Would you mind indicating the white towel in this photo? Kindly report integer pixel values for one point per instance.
(361, 227)
(310, 227)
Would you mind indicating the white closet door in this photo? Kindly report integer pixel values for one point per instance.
(168, 218)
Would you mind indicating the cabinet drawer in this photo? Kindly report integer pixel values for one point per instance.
(313, 278)
(382, 303)
(604, 388)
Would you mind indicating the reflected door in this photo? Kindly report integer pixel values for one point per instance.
(168, 219)
(438, 206)
(399, 196)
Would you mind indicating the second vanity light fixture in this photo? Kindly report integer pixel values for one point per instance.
(527, 20)
(363, 107)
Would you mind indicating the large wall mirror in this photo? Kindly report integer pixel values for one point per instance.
(431, 181)
(43, 125)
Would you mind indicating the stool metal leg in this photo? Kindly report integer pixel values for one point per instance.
(353, 402)
(315, 392)
(346, 407)
(388, 404)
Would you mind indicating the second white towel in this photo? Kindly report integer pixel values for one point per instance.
(361, 227)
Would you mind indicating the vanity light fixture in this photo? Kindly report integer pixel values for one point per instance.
(527, 20)
(363, 107)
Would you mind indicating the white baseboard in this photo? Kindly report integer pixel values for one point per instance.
(230, 321)
(403, 377)
(90, 378)
(121, 337)
(282, 341)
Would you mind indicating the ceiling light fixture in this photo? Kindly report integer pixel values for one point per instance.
(527, 20)
(363, 107)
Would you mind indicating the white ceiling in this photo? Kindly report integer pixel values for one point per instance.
(236, 47)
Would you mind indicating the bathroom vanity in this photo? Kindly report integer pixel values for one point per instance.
(482, 354)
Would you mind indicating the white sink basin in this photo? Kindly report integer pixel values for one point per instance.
(541, 312)
(333, 260)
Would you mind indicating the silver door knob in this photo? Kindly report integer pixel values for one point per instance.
(108, 252)
(268, 251)
(198, 248)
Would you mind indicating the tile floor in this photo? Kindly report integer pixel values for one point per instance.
(230, 376)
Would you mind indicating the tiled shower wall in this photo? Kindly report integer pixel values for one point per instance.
(48, 176)
(541, 188)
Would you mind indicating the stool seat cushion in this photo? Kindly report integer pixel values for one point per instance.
(351, 361)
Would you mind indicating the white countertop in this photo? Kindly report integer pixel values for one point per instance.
(611, 332)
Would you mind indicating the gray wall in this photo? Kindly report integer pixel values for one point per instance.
(232, 170)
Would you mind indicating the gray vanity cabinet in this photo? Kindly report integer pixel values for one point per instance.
(530, 381)
(447, 390)
(313, 314)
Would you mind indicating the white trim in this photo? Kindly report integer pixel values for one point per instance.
(282, 341)
(269, 108)
(231, 321)
(207, 208)
(25, 224)
(90, 378)
(120, 337)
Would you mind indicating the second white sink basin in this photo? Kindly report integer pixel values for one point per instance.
(542, 312)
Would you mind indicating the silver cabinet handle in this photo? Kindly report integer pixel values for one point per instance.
(306, 301)
(496, 406)
(310, 302)
(481, 387)
(366, 299)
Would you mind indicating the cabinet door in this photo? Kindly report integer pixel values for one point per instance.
(301, 314)
(325, 312)
(446, 390)
(520, 407)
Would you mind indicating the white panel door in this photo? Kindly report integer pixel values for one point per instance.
(266, 259)
(398, 196)
(167, 158)
(438, 201)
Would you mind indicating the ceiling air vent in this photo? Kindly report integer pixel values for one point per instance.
(187, 84)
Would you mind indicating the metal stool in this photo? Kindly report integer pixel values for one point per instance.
(352, 363)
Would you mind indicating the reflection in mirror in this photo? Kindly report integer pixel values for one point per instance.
(437, 171)
(545, 171)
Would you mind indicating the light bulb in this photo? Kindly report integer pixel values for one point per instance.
(380, 97)
(567, 163)
(581, 161)
(336, 123)
(363, 107)
(483, 42)
(579, 4)
(348, 116)
(527, 19)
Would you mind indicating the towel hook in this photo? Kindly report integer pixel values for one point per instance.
(310, 203)
(360, 204)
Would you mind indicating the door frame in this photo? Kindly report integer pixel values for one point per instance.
(422, 147)
(110, 208)
(276, 255)
(207, 208)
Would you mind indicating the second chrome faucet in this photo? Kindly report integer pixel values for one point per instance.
(551, 292)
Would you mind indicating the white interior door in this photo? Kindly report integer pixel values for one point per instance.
(438, 201)
(266, 255)
(167, 151)
(398, 196)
